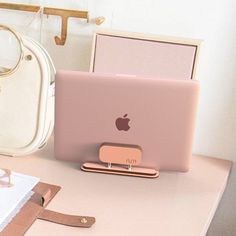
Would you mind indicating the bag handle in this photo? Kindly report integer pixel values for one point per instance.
(7, 71)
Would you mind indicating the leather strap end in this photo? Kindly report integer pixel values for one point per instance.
(64, 219)
(46, 197)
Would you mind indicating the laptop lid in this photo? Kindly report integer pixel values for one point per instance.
(156, 114)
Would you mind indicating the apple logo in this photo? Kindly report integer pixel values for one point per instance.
(122, 123)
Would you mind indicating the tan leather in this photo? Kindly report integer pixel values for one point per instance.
(70, 220)
(34, 209)
(23, 220)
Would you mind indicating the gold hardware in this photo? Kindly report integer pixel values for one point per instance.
(63, 13)
(28, 57)
(4, 69)
(19, 7)
(99, 20)
(8, 71)
(83, 221)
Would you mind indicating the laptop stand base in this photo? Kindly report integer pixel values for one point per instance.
(120, 170)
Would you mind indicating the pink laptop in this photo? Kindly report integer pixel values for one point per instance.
(158, 115)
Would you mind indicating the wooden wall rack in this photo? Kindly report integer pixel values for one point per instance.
(63, 13)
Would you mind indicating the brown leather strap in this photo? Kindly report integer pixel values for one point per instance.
(34, 209)
(43, 198)
(70, 220)
(46, 197)
(23, 220)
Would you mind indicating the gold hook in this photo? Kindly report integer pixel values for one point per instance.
(63, 13)
(99, 20)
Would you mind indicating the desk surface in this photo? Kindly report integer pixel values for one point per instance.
(171, 205)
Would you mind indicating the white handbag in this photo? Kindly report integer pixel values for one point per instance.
(26, 99)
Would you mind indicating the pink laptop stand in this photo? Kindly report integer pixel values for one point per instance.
(120, 159)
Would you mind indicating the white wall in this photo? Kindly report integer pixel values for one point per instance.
(214, 21)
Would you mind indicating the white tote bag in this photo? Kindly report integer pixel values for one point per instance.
(26, 98)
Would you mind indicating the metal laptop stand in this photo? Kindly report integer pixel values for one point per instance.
(120, 159)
